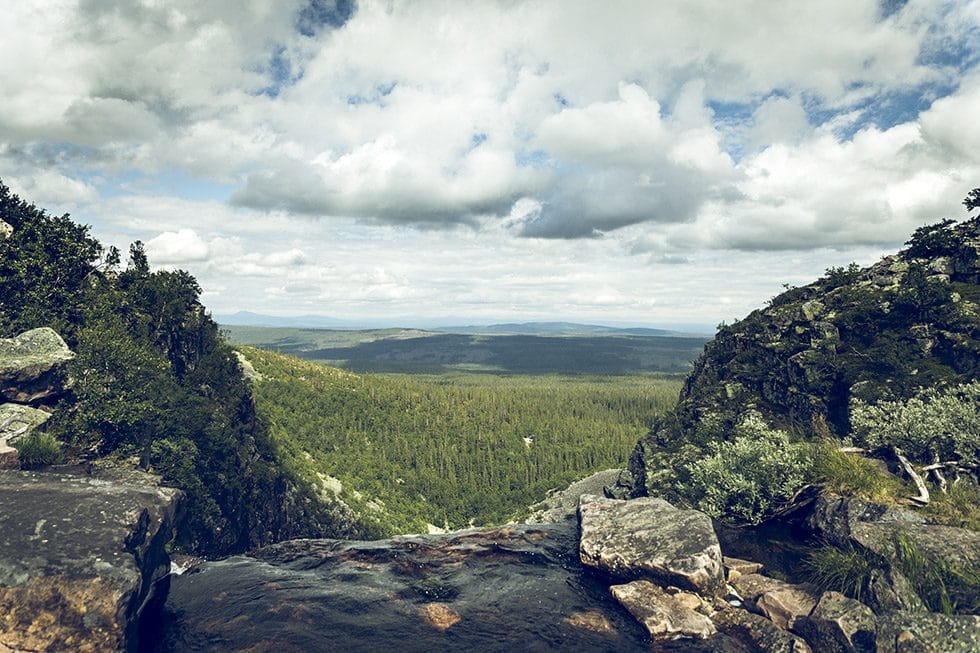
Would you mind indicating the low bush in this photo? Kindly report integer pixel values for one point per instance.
(746, 478)
(38, 449)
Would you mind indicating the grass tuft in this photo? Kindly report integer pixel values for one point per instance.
(853, 475)
(840, 570)
(38, 449)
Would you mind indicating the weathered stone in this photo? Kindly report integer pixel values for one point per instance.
(752, 586)
(742, 567)
(649, 538)
(941, 265)
(811, 310)
(248, 370)
(890, 591)
(762, 633)
(917, 632)
(560, 505)
(9, 459)
(499, 589)
(786, 605)
(839, 624)
(31, 365)
(17, 420)
(664, 615)
(80, 558)
(5, 229)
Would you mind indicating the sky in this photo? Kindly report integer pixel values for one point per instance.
(426, 162)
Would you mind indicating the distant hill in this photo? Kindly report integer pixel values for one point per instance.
(563, 329)
(418, 351)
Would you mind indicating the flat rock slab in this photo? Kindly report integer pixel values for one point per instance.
(79, 557)
(517, 588)
(664, 615)
(650, 539)
(929, 632)
(30, 364)
(563, 504)
(17, 420)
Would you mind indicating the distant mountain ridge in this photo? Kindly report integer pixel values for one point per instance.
(249, 318)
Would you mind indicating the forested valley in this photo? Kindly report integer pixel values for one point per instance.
(452, 450)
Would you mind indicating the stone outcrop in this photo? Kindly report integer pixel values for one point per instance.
(17, 420)
(803, 358)
(839, 624)
(917, 632)
(81, 559)
(665, 616)
(763, 634)
(563, 504)
(5, 229)
(32, 366)
(649, 538)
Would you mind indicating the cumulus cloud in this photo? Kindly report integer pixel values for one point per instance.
(246, 139)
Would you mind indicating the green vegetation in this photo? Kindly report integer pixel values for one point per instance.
(934, 425)
(959, 506)
(852, 475)
(943, 586)
(747, 477)
(450, 449)
(839, 570)
(152, 380)
(37, 449)
(411, 351)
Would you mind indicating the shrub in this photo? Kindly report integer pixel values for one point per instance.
(38, 449)
(745, 479)
(933, 424)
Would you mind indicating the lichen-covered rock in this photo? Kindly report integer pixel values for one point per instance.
(839, 624)
(31, 365)
(80, 559)
(890, 591)
(736, 567)
(763, 634)
(17, 420)
(563, 504)
(664, 615)
(649, 538)
(918, 632)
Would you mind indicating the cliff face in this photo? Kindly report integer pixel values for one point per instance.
(909, 321)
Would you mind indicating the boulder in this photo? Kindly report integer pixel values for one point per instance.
(665, 616)
(649, 538)
(17, 420)
(736, 567)
(32, 365)
(890, 591)
(928, 632)
(763, 634)
(560, 505)
(80, 559)
(839, 624)
(781, 602)
(5, 229)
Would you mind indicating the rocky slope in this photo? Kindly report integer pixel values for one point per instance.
(911, 320)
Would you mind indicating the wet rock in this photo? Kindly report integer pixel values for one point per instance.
(562, 504)
(649, 538)
(17, 420)
(763, 634)
(80, 559)
(665, 616)
(839, 624)
(916, 632)
(31, 365)
(517, 588)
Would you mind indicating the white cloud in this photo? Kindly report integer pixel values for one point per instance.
(658, 133)
(177, 247)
